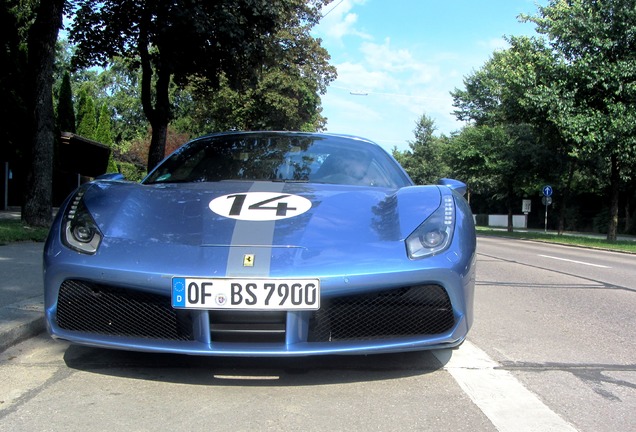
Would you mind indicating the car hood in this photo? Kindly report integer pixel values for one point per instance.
(181, 214)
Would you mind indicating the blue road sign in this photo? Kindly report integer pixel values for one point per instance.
(547, 191)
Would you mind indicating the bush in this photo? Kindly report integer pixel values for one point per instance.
(131, 171)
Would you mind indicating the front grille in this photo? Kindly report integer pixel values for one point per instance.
(247, 326)
(410, 311)
(95, 308)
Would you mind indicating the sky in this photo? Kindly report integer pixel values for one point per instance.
(399, 59)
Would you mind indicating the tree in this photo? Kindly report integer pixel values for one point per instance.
(41, 54)
(13, 66)
(119, 87)
(86, 116)
(65, 110)
(502, 94)
(497, 162)
(295, 72)
(423, 161)
(103, 134)
(179, 40)
(591, 99)
(471, 156)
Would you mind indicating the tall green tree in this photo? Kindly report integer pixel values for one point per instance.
(496, 161)
(86, 116)
(178, 40)
(501, 95)
(103, 132)
(423, 160)
(591, 100)
(65, 109)
(13, 65)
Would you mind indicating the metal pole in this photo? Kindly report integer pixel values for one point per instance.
(5, 204)
(546, 216)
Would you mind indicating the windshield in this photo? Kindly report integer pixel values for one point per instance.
(285, 157)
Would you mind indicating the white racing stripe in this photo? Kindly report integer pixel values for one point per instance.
(505, 401)
(574, 261)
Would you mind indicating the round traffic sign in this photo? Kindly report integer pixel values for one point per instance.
(547, 191)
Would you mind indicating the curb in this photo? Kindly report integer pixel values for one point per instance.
(20, 321)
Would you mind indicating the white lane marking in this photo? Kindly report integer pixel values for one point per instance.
(574, 261)
(505, 401)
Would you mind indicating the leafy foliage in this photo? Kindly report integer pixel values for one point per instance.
(14, 20)
(86, 116)
(423, 161)
(182, 40)
(65, 110)
(592, 91)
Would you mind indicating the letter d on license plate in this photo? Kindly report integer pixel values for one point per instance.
(245, 294)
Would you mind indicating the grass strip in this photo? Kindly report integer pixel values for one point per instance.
(12, 231)
(591, 241)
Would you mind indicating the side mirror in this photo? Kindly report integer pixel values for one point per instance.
(455, 185)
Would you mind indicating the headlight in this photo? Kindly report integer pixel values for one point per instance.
(80, 230)
(435, 234)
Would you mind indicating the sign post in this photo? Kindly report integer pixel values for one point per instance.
(546, 200)
(526, 207)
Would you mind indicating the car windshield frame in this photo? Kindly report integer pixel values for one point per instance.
(281, 157)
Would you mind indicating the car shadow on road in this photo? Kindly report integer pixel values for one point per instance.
(251, 371)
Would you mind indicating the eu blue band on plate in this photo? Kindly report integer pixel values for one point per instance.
(178, 292)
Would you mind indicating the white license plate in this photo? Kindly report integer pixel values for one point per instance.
(245, 294)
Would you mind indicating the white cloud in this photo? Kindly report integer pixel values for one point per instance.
(493, 44)
(398, 88)
(394, 73)
(358, 77)
(383, 57)
(406, 66)
(338, 21)
(384, 86)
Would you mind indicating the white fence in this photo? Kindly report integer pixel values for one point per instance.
(518, 221)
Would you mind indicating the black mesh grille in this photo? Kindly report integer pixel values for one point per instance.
(412, 311)
(94, 308)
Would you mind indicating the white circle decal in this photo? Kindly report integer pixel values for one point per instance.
(260, 206)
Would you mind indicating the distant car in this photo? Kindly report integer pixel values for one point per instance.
(264, 244)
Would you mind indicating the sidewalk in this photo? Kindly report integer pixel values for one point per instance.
(11, 213)
(622, 237)
(21, 292)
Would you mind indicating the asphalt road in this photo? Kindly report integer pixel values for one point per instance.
(561, 320)
(551, 350)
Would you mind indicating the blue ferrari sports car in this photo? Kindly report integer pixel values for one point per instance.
(264, 244)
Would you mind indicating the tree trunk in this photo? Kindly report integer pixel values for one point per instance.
(509, 203)
(157, 149)
(160, 120)
(614, 192)
(36, 210)
(565, 197)
(158, 115)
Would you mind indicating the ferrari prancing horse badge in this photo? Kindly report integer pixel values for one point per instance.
(248, 260)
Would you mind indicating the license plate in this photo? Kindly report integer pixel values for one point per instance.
(245, 294)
